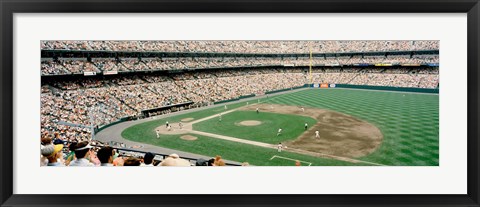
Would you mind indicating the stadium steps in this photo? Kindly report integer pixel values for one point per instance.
(123, 102)
(356, 74)
(64, 68)
(348, 82)
(420, 82)
(54, 89)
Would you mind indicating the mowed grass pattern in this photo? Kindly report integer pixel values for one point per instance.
(409, 121)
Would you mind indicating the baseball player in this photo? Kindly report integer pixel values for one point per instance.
(279, 147)
(166, 124)
(279, 132)
(225, 107)
(158, 134)
(257, 110)
(169, 128)
(247, 103)
(303, 109)
(317, 134)
(220, 118)
(306, 126)
(180, 124)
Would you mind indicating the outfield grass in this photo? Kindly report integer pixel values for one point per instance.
(408, 121)
(292, 125)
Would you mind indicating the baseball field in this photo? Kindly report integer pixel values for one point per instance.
(356, 127)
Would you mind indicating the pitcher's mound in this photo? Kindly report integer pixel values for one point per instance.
(188, 137)
(250, 123)
(187, 119)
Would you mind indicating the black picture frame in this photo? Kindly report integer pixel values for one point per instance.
(10, 7)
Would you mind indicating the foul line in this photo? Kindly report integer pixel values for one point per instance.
(270, 146)
(286, 158)
(346, 159)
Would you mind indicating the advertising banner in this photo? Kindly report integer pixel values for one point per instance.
(89, 73)
(111, 72)
(383, 64)
(332, 85)
(361, 64)
(316, 85)
(324, 85)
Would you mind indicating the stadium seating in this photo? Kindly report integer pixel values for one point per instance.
(149, 83)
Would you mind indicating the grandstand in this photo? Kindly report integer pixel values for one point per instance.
(89, 86)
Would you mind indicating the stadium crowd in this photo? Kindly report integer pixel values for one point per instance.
(78, 65)
(72, 107)
(56, 152)
(259, 47)
(107, 100)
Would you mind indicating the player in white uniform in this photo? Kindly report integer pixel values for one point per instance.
(306, 126)
(317, 134)
(158, 134)
(303, 109)
(279, 147)
(169, 128)
(180, 124)
(225, 107)
(257, 110)
(220, 118)
(279, 132)
(166, 124)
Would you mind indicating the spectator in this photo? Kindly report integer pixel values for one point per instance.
(55, 158)
(174, 160)
(105, 155)
(148, 159)
(46, 150)
(82, 151)
(71, 154)
(218, 161)
(132, 161)
(201, 162)
(119, 161)
(45, 141)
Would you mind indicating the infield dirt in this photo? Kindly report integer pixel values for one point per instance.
(340, 134)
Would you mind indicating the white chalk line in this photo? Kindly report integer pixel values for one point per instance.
(270, 146)
(286, 158)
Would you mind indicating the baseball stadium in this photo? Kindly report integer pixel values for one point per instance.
(240, 103)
